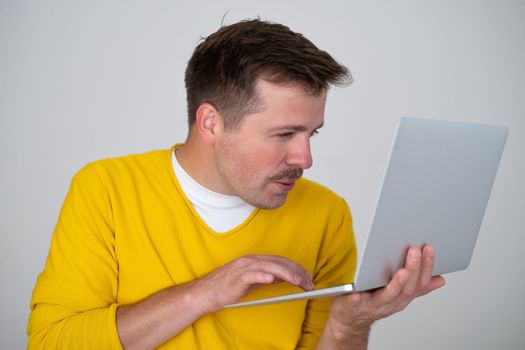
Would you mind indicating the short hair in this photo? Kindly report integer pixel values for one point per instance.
(225, 67)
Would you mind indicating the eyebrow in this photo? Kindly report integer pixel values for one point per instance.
(298, 128)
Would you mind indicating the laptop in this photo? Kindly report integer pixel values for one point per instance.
(435, 191)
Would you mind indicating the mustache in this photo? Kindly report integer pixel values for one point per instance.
(288, 174)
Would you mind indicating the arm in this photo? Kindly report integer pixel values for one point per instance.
(74, 300)
(74, 304)
(351, 316)
(158, 318)
(336, 261)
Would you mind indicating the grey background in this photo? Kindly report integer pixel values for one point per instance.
(83, 80)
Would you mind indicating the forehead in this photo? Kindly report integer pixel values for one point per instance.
(286, 103)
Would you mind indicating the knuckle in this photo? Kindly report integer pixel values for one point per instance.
(401, 307)
(245, 278)
(422, 286)
(408, 293)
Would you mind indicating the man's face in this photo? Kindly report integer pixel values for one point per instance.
(261, 160)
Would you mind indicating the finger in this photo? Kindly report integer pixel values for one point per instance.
(249, 278)
(413, 266)
(436, 282)
(393, 289)
(298, 275)
(294, 277)
(292, 265)
(427, 265)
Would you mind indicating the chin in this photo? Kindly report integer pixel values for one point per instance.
(274, 202)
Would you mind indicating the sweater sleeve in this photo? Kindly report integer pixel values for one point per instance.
(74, 301)
(336, 265)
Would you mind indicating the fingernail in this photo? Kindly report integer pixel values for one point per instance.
(430, 251)
(310, 285)
(307, 285)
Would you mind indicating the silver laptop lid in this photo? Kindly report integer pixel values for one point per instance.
(435, 190)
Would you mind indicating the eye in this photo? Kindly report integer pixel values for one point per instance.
(285, 135)
(315, 132)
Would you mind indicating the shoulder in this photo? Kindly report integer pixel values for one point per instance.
(148, 161)
(152, 164)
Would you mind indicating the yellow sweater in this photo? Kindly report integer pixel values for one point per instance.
(126, 230)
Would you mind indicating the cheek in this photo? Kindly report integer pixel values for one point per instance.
(255, 158)
(268, 159)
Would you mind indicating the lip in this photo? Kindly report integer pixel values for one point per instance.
(285, 186)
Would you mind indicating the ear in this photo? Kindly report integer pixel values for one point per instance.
(208, 122)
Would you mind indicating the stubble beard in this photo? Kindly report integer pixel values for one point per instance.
(230, 168)
(258, 197)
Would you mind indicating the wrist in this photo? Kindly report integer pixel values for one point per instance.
(195, 298)
(205, 297)
(347, 333)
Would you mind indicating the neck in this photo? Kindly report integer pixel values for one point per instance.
(196, 158)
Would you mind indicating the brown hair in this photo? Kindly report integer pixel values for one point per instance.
(224, 68)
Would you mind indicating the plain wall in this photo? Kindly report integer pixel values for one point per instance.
(83, 80)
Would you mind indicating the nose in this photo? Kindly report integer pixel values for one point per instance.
(300, 154)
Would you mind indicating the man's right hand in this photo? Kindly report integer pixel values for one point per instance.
(161, 316)
(231, 282)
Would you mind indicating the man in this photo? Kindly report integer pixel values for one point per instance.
(149, 248)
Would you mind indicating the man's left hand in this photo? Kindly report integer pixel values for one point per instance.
(352, 315)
